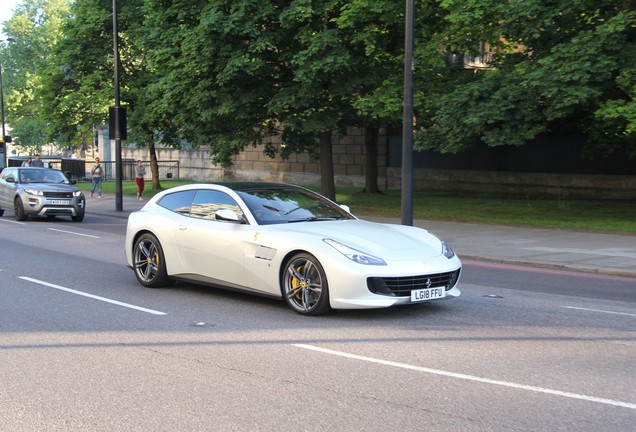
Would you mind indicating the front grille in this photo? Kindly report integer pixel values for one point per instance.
(58, 211)
(58, 194)
(402, 286)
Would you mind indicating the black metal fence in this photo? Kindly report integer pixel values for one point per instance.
(74, 169)
(79, 169)
(167, 169)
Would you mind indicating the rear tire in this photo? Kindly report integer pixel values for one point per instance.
(149, 263)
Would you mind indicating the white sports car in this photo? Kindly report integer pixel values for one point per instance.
(285, 241)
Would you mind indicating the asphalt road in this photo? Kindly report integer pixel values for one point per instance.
(84, 347)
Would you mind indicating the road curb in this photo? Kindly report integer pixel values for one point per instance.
(548, 266)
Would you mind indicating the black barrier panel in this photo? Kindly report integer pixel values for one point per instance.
(75, 169)
(117, 123)
(15, 162)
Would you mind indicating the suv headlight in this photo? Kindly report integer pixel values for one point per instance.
(31, 191)
(354, 254)
(77, 193)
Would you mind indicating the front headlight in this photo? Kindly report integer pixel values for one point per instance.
(354, 254)
(77, 193)
(447, 251)
(31, 191)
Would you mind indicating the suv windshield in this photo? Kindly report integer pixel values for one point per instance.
(42, 175)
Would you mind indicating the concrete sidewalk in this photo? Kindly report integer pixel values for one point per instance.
(606, 254)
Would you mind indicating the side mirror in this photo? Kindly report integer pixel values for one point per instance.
(228, 216)
(10, 180)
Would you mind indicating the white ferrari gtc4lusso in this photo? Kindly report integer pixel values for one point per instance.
(285, 241)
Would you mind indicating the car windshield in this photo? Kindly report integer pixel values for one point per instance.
(42, 175)
(281, 205)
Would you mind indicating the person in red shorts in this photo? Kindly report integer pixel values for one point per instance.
(140, 172)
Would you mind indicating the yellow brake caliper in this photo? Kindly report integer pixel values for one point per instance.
(297, 283)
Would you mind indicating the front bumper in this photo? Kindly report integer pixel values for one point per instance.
(350, 290)
(42, 206)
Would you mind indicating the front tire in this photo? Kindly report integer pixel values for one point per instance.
(305, 287)
(149, 263)
(78, 218)
(20, 214)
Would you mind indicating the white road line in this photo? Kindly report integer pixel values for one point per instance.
(104, 299)
(74, 233)
(13, 222)
(599, 310)
(472, 378)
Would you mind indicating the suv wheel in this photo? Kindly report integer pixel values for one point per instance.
(19, 210)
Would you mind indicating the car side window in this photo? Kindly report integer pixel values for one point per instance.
(178, 202)
(207, 202)
(8, 173)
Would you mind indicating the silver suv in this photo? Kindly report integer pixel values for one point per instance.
(40, 192)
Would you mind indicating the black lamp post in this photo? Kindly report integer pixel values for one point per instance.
(407, 120)
(117, 118)
(4, 133)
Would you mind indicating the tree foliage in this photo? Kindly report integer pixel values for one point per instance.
(36, 27)
(562, 67)
(231, 74)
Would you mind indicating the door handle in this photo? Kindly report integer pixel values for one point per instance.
(182, 227)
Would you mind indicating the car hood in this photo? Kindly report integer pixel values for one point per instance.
(384, 240)
(49, 187)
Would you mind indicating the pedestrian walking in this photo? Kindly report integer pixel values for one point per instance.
(37, 162)
(140, 172)
(97, 175)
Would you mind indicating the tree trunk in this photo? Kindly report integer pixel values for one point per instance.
(327, 182)
(154, 166)
(371, 147)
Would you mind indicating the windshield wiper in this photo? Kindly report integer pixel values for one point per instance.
(311, 219)
(269, 207)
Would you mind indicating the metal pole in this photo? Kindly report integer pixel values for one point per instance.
(118, 164)
(407, 120)
(2, 102)
(4, 155)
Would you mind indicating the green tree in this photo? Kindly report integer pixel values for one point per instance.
(561, 66)
(211, 75)
(80, 80)
(36, 28)
(233, 75)
(77, 91)
(375, 40)
(230, 74)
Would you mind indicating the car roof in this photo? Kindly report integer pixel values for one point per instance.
(246, 186)
(240, 186)
(35, 168)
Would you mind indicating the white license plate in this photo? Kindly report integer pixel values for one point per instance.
(428, 294)
(60, 202)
